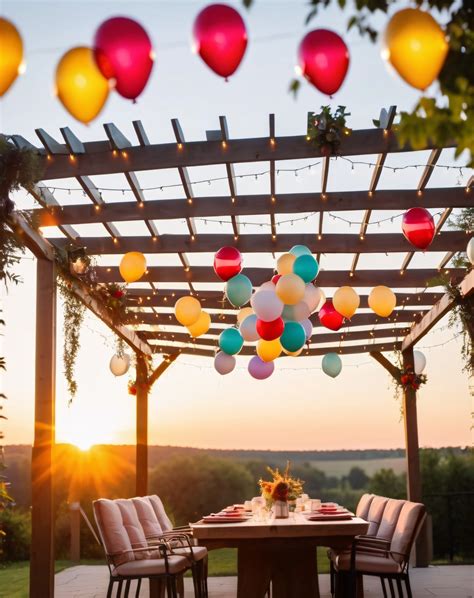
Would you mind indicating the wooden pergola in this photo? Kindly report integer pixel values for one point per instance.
(151, 329)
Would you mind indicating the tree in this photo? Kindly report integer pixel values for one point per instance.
(386, 482)
(357, 478)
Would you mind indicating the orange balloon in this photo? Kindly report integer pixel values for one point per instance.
(11, 54)
(80, 86)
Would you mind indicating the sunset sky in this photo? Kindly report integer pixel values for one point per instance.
(298, 407)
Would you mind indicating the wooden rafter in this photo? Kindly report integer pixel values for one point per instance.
(271, 126)
(225, 142)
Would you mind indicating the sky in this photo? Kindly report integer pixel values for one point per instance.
(191, 405)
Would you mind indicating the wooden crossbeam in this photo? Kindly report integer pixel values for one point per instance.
(46, 199)
(183, 174)
(230, 173)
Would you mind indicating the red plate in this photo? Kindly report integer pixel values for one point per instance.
(219, 519)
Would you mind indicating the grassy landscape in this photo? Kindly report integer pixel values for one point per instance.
(342, 467)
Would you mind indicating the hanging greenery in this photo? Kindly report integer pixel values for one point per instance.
(326, 129)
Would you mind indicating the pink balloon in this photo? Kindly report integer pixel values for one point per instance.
(223, 363)
(260, 370)
(266, 305)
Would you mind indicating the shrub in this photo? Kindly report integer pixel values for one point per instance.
(15, 544)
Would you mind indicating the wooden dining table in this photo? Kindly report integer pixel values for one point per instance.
(280, 551)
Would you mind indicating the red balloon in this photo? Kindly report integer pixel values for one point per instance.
(324, 60)
(276, 278)
(220, 38)
(269, 331)
(329, 317)
(418, 227)
(227, 263)
(123, 51)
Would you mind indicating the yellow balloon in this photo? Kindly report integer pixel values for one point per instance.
(268, 350)
(285, 263)
(201, 326)
(132, 266)
(382, 301)
(346, 301)
(187, 310)
(80, 86)
(293, 353)
(290, 289)
(244, 313)
(416, 46)
(11, 54)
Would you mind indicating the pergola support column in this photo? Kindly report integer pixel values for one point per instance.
(42, 535)
(411, 434)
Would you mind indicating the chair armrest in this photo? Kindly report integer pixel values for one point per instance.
(374, 541)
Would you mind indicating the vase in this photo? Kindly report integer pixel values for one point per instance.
(280, 509)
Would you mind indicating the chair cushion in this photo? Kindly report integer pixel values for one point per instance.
(390, 518)
(160, 512)
(199, 552)
(363, 506)
(147, 517)
(374, 516)
(367, 563)
(407, 527)
(112, 531)
(176, 564)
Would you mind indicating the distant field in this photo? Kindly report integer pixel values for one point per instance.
(370, 466)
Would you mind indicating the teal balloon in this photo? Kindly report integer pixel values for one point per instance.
(293, 337)
(231, 341)
(238, 290)
(332, 364)
(300, 250)
(306, 267)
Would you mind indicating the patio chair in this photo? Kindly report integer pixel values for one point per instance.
(362, 509)
(386, 559)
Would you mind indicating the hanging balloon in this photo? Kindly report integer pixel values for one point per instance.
(132, 266)
(276, 278)
(238, 290)
(346, 301)
(269, 350)
(201, 326)
(324, 60)
(298, 250)
(119, 364)
(11, 56)
(416, 46)
(269, 331)
(308, 328)
(306, 267)
(223, 363)
(266, 305)
(267, 286)
(293, 337)
(285, 263)
(332, 364)
(382, 301)
(187, 310)
(124, 54)
(329, 317)
(297, 312)
(231, 341)
(248, 329)
(312, 297)
(227, 263)
(293, 353)
(220, 38)
(259, 369)
(80, 86)
(418, 227)
(419, 362)
(470, 250)
(290, 289)
(244, 313)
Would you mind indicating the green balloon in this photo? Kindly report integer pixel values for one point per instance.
(300, 250)
(238, 290)
(332, 364)
(306, 267)
(231, 341)
(293, 337)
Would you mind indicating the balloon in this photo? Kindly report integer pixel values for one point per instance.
(266, 305)
(248, 329)
(290, 289)
(418, 227)
(244, 313)
(223, 363)
(187, 310)
(267, 286)
(285, 263)
(227, 263)
(259, 369)
(382, 301)
(306, 267)
(332, 364)
(123, 52)
(419, 362)
(294, 353)
(293, 337)
(269, 350)
(269, 331)
(346, 301)
(80, 86)
(231, 341)
(298, 250)
(308, 328)
(416, 46)
(132, 266)
(276, 278)
(238, 290)
(297, 312)
(11, 55)
(201, 326)
(220, 38)
(324, 60)
(312, 297)
(329, 317)
(119, 364)
(470, 250)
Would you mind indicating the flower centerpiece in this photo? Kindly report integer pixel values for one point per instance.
(281, 491)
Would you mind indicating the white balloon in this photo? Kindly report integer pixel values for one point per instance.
(266, 305)
(224, 363)
(308, 328)
(267, 286)
(119, 364)
(312, 297)
(248, 329)
(419, 362)
(470, 250)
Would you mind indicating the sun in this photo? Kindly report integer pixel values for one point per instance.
(83, 443)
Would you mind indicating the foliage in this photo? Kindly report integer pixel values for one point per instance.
(386, 483)
(17, 527)
(357, 478)
(326, 129)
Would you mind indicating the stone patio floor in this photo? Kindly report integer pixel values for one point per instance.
(444, 582)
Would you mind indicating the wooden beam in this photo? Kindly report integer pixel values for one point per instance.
(141, 462)
(140, 132)
(324, 184)
(46, 199)
(386, 363)
(42, 521)
(183, 174)
(428, 171)
(271, 126)
(230, 173)
(36, 243)
(164, 365)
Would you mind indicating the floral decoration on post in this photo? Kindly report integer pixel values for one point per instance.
(409, 379)
(326, 130)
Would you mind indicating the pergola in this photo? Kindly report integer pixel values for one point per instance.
(150, 330)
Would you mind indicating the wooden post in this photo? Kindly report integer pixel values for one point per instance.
(411, 435)
(42, 523)
(142, 427)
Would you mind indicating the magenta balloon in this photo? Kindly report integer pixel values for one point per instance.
(260, 370)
